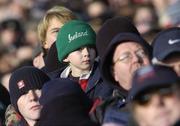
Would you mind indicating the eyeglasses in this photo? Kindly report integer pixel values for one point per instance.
(128, 56)
(145, 98)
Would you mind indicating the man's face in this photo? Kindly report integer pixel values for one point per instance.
(28, 105)
(127, 58)
(158, 109)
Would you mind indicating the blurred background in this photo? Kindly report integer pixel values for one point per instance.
(19, 19)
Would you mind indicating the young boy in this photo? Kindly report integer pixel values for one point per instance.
(76, 46)
(25, 90)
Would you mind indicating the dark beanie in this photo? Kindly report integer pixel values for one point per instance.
(51, 60)
(24, 79)
(64, 103)
(110, 29)
(65, 110)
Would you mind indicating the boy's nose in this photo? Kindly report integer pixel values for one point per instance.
(85, 51)
(32, 95)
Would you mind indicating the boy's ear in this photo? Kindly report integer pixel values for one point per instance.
(66, 60)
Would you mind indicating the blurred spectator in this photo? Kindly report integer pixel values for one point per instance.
(146, 21)
(96, 8)
(11, 10)
(155, 96)
(17, 11)
(173, 12)
(145, 18)
(24, 53)
(168, 12)
(3, 2)
(31, 37)
(166, 48)
(8, 61)
(121, 7)
(142, 1)
(97, 13)
(11, 33)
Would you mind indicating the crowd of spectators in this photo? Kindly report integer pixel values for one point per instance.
(19, 43)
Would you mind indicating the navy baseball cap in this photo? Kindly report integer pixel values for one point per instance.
(166, 43)
(152, 76)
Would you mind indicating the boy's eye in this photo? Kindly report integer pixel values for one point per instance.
(88, 48)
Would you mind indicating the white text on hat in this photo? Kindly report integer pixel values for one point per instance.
(76, 35)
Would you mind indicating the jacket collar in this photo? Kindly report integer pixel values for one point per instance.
(65, 73)
(94, 78)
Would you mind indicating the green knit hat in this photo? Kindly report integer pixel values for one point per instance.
(72, 36)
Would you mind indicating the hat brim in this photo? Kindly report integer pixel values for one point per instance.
(168, 52)
(152, 83)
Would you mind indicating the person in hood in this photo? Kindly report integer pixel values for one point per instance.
(125, 51)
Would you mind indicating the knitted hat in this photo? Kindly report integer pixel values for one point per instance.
(64, 103)
(24, 79)
(110, 29)
(62, 87)
(65, 111)
(72, 36)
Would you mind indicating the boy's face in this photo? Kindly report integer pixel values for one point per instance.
(28, 105)
(52, 31)
(82, 59)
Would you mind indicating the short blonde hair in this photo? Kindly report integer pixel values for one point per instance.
(63, 14)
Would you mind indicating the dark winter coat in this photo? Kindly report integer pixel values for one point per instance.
(96, 87)
(113, 110)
